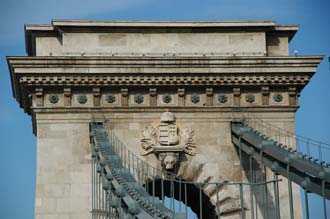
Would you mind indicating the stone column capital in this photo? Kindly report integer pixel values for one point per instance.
(265, 90)
(153, 96)
(237, 91)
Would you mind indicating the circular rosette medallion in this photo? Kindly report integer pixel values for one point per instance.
(195, 98)
(110, 98)
(278, 98)
(222, 98)
(249, 98)
(53, 99)
(82, 99)
(167, 98)
(138, 98)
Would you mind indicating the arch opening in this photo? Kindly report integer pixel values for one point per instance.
(185, 194)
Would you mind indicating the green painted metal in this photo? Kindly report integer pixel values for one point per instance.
(125, 186)
(275, 152)
(115, 183)
(296, 168)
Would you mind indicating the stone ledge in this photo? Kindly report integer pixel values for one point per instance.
(230, 109)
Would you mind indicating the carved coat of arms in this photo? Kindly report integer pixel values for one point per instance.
(167, 141)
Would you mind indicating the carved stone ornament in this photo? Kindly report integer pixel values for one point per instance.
(110, 98)
(138, 98)
(53, 99)
(167, 98)
(249, 98)
(82, 99)
(169, 160)
(167, 141)
(278, 97)
(195, 98)
(222, 98)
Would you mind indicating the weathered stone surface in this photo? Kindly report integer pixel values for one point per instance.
(63, 170)
(75, 43)
(206, 73)
(216, 158)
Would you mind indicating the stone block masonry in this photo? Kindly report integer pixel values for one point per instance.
(132, 72)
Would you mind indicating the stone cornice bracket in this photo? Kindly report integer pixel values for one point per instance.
(293, 96)
(39, 93)
(209, 96)
(153, 96)
(181, 96)
(237, 96)
(96, 96)
(265, 95)
(67, 96)
(124, 96)
(28, 73)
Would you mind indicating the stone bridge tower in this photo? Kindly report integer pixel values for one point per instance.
(130, 73)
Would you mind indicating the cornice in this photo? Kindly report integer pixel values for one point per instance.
(84, 71)
(162, 80)
(163, 61)
(259, 109)
(29, 73)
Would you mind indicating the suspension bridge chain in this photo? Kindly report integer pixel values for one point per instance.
(121, 196)
(300, 160)
(124, 186)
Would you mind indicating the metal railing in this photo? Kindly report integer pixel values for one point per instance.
(299, 159)
(161, 194)
(310, 149)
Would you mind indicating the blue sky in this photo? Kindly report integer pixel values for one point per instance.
(17, 163)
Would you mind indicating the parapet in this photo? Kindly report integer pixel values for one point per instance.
(122, 38)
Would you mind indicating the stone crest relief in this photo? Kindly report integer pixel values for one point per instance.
(167, 141)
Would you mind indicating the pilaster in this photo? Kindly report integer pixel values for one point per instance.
(237, 96)
(153, 96)
(209, 96)
(96, 96)
(265, 95)
(67, 96)
(39, 93)
(292, 96)
(181, 97)
(124, 96)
